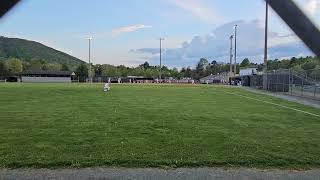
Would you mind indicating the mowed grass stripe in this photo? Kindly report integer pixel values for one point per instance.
(273, 102)
(266, 98)
(58, 125)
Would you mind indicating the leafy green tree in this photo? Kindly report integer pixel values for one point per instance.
(284, 64)
(14, 66)
(98, 68)
(175, 73)
(309, 65)
(45, 67)
(52, 66)
(3, 69)
(297, 69)
(201, 68)
(36, 64)
(315, 74)
(145, 65)
(214, 62)
(65, 67)
(82, 72)
(25, 65)
(110, 71)
(188, 72)
(123, 71)
(202, 64)
(245, 63)
(272, 64)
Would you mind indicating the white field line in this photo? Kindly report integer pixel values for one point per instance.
(267, 102)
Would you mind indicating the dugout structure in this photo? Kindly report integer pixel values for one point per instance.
(47, 76)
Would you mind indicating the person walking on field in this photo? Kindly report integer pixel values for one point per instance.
(106, 87)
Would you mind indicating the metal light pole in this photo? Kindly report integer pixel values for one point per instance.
(266, 39)
(161, 39)
(265, 80)
(231, 39)
(89, 73)
(235, 49)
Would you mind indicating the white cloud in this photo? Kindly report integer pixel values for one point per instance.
(197, 8)
(215, 46)
(312, 6)
(127, 29)
(113, 33)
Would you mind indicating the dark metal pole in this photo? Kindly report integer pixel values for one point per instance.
(298, 22)
(265, 76)
(266, 40)
(235, 49)
(5, 6)
(89, 74)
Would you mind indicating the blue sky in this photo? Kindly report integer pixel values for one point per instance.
(126, 31)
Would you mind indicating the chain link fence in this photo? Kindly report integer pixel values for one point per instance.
(288, 81)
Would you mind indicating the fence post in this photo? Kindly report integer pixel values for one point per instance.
(302, 87)
(269, 82)
(283, 82)
(277, 79)
(290, 81)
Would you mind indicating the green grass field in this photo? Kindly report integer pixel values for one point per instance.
(77, 125)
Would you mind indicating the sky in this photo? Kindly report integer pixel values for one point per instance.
(127, 32)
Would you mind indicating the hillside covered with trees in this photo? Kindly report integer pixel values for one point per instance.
(28, 51)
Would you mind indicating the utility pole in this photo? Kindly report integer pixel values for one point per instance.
(161, 39)
(265, 80)
(89, 73)
(231, 55)
(235, 49)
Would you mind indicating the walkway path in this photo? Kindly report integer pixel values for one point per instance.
(157, 174)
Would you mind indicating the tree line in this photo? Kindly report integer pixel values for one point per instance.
(204, 67)
(307, 65)
(14, 66)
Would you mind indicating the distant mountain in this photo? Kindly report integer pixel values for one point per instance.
(26, 50)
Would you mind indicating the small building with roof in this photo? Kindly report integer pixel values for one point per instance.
(47, 76)
(216, 79)
(248, 71)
